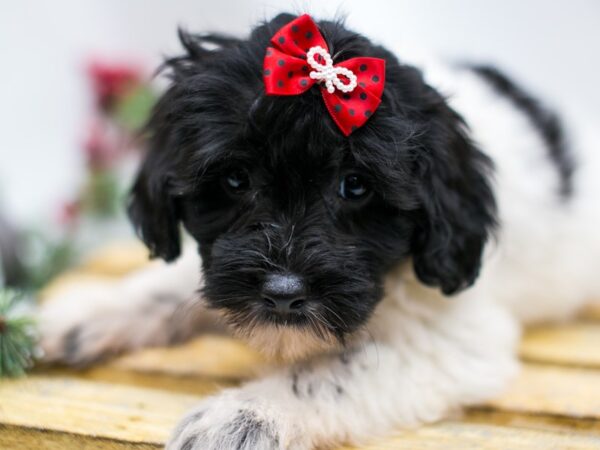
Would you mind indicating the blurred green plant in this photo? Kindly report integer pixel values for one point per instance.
(31, 257)
(101, 196)
(134, 108)
(124, 100)
(17, 335)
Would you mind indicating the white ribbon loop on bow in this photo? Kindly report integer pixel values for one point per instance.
(327, 73)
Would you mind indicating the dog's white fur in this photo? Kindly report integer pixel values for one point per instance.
(424, 355)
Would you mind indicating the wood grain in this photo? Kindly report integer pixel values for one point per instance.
(592, 312)
(573, 344)
(18, 438)
(212, 356)
(162, 381)
(467, 436)
(117, 259)
(563, 391)
(64, 413)
(104, 410)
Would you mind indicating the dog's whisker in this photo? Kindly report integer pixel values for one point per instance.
(342, 322)
(317, 323)
(286, 246)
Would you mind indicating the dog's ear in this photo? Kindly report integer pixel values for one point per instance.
(458, 207)
(153, 202)
(152, 207)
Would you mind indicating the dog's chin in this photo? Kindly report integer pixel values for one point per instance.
(288, 343)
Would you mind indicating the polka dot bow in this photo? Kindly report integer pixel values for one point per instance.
(300, 58)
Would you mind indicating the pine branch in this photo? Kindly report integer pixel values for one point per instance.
(17, 342)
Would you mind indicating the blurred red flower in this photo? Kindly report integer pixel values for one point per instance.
(111, 81)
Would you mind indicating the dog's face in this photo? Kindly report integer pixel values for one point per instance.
(298, 225)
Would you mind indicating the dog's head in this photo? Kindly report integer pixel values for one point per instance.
(297, 225)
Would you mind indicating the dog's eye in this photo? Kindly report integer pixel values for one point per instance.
(353, 187)
(237, 181)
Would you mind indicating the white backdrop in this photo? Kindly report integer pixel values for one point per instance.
(553, 46)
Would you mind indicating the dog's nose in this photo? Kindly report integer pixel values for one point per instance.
(284, 292)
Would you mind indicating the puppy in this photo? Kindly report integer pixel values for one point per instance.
(387, 260)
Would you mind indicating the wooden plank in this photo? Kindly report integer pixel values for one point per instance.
(212, 356)
(19, 438)
(466, 436)
(107, 263)
(592, 312)
(117, 259)
(575, 344)
(62, 413)
(540, 422)
(162, 381)
(548, 390)
(69, 279)
(107, 411)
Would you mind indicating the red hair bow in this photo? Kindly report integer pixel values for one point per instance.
(300, 58)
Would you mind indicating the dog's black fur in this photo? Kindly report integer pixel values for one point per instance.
(430, 195)
(547, 123)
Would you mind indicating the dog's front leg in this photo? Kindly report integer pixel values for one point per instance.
(156, 305)
(419, 372)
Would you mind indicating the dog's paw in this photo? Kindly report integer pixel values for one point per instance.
(230, 422)
(79, 326)
(98, 320)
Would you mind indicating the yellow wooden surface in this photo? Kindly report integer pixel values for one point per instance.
(466, 436)
(102, 265)
(221, 357)
(117, 259)
(111, 414)
(19, 438)
(592, 312)
(542, 389)
(569, 344)
(106, 410)
(133, 401)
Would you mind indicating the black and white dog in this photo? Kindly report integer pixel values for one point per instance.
(389, 270)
